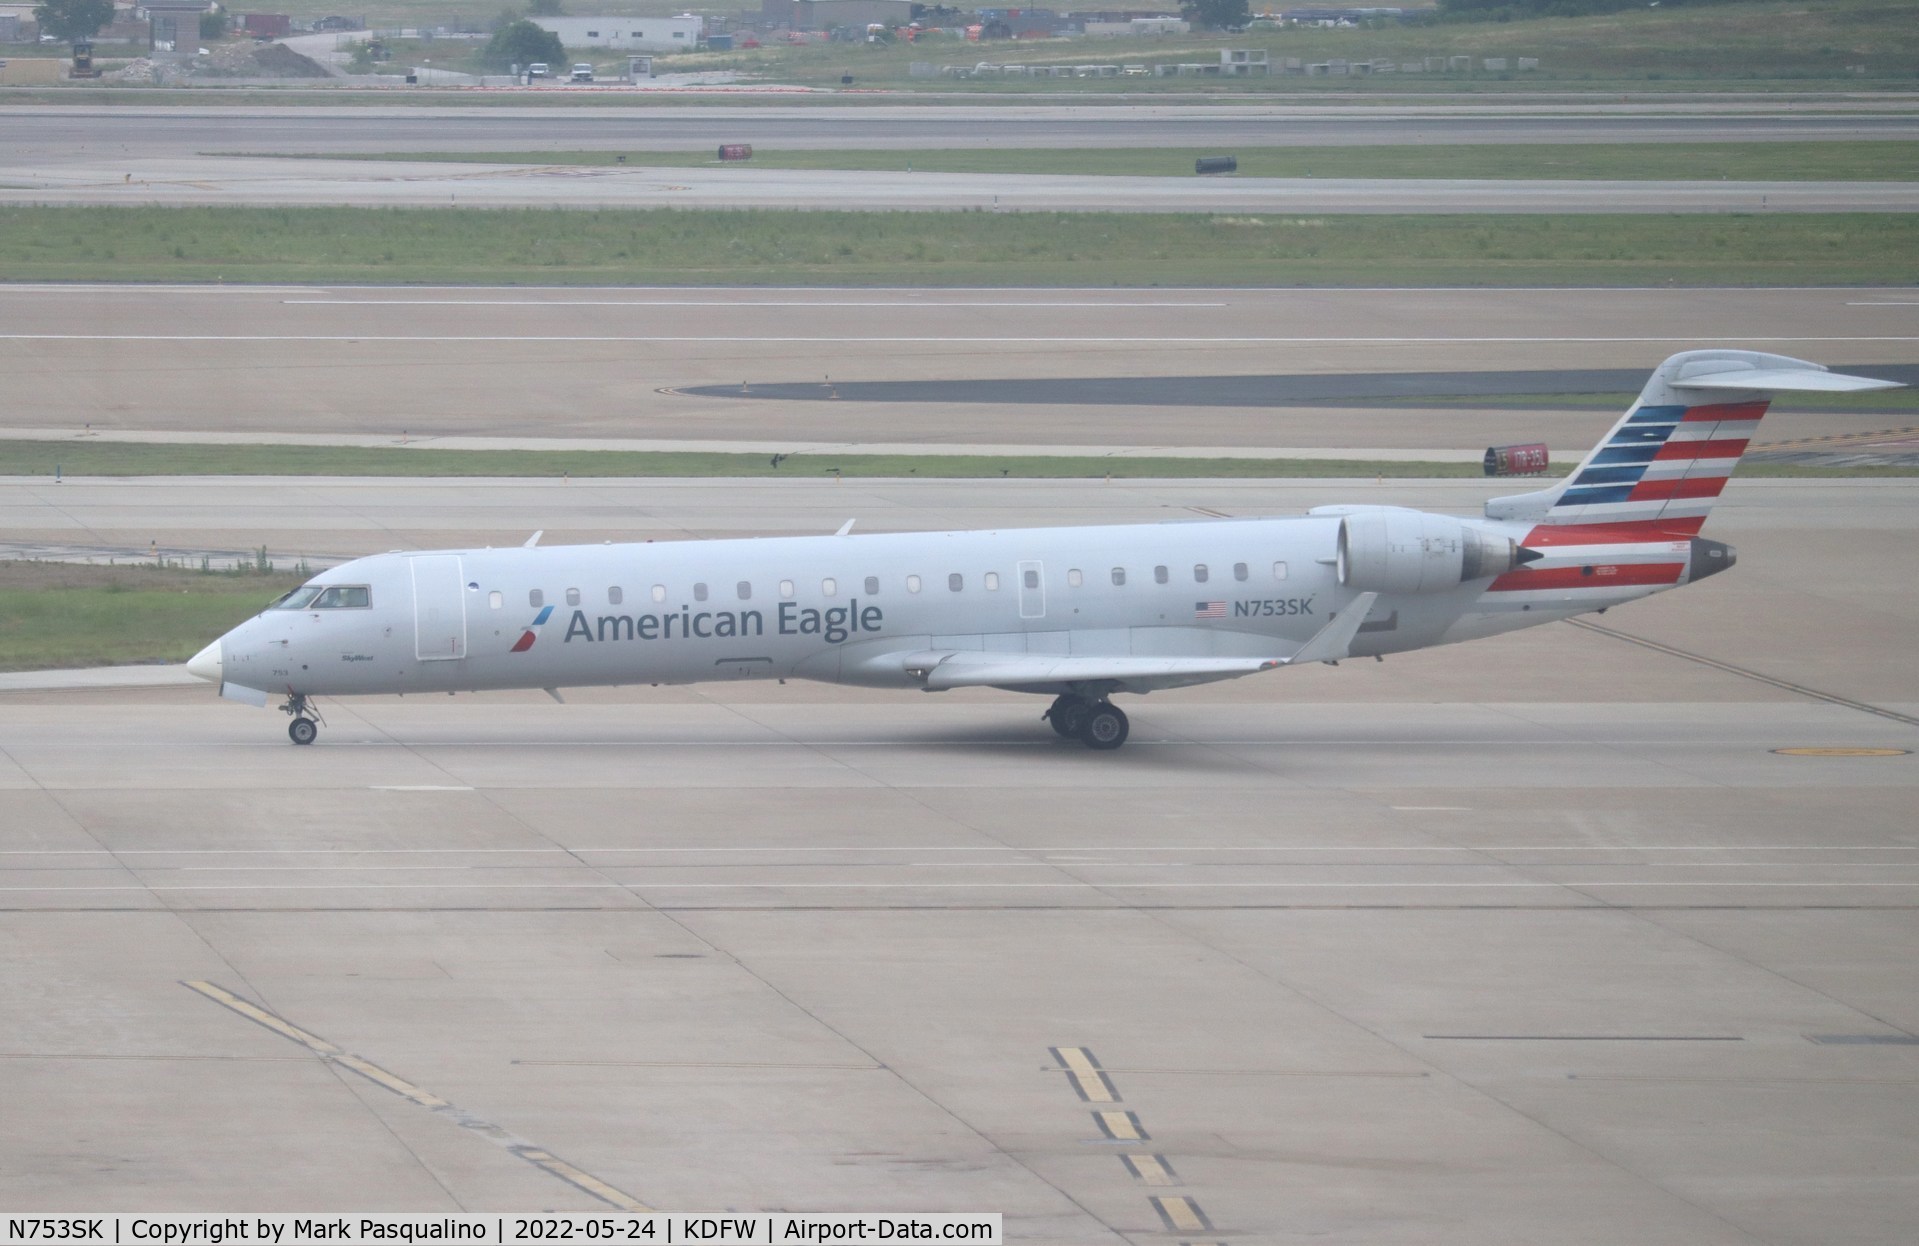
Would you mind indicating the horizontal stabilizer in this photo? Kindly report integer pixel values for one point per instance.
(1787, 381)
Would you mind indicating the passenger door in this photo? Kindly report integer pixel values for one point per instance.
(439, 607)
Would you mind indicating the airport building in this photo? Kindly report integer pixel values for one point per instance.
(828, 14)
(627, 34)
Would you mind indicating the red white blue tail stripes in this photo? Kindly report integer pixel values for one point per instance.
(1626, 523)
(1661, 465)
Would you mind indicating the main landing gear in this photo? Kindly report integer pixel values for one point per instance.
(1097, 723)
(305, 727)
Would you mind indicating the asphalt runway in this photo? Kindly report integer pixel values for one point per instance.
(230, 181)
(1532, 939)
(617, 363)
(189, 155)
(68, 133)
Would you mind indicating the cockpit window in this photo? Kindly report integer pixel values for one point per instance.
(342, 597)
(298, 598)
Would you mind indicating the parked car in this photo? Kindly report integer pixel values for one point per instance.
(583, 72)
(538, 69)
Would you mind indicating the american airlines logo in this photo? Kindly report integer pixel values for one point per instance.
(532, 632)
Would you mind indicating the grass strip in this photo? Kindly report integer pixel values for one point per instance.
(548, 246)
(1893, 161)
(58, 615)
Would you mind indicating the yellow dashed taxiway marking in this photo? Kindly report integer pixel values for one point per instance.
(1082, 1069)
(1180, 1213)
(539, 1157)
(1152, 1169)
(1120, 1126)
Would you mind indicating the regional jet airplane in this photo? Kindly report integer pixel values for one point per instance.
(1077, 614)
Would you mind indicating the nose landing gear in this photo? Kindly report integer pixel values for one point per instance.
(305, 727)
(1098, 724)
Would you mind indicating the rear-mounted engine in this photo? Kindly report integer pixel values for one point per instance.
(1408, 551)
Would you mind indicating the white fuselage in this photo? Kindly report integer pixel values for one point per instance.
(852, 608)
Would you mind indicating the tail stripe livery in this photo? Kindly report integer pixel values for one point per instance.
(1659, 455)
(1656, 474)
(1629, 517)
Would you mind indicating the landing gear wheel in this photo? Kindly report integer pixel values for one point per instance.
(302, 730)
(1068, 716)
(1105, 727)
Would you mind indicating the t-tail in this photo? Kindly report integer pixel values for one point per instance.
(1652, 480)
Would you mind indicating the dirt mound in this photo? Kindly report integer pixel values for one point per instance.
(246, 59)
(282, 61)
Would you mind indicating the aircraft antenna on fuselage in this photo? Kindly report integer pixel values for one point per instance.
(846, 527)
(534, 539)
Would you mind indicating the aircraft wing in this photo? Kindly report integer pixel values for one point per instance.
(976, 669)
(971, 669)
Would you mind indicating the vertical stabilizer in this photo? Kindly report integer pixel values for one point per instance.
(1666, 460)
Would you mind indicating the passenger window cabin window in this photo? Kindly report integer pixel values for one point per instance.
(991, 580)
(496, 599)
(1119, 577)
(615, 595)
(745, 589)
(659, 592)
(1239, 571)
(1159, 575)
(342, 597)
(912, 584)
(1279, 571)
(786, 588)
(1030, 578)
(536, 599)
(955, 582)
(572, 596)
(1199, 573)
(699, 592)
(1074, 579)
(872, 586)
(829, 587)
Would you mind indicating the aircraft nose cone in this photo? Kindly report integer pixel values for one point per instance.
(206, 664)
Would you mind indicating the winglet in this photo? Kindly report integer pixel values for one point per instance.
(534, 539)
(1335, 640)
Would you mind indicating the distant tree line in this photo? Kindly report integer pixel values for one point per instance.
(522, 43)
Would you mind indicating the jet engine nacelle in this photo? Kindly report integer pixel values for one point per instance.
(1408, 551)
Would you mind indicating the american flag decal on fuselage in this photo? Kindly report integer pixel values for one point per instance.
(532, 631)
(1209, 609)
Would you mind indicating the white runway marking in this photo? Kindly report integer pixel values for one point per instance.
(420, 787)
(709, 303)
(1044, 886)
(1022, 339)
(784, 850)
